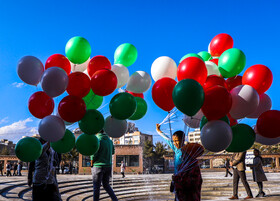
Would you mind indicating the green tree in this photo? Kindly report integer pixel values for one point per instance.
(148, 154)
(160, 151)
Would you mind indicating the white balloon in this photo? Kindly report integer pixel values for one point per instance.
(267, 141)
(122, 74)
(264, 105)
(164, 67)
(216, 135)
(115, 128)
(79, 67)
(212, 68)
(139, 82)
(245, 100)
(194, 121)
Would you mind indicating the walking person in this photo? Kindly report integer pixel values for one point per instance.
(238, 163)
(122, 169)
(1, 168)
(15, 166)
(8, 169)
(227, 166)
(258, 173)
(101, 163)
(19, 168)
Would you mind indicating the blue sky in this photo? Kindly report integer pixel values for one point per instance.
(157, 28)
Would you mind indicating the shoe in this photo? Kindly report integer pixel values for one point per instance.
(248, 197)
(262, 194)
(233, 198)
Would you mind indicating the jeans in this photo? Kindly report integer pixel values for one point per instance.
(45, 192)
(102, 174)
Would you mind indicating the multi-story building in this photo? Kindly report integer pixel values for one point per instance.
(9, 146)
(194, 136)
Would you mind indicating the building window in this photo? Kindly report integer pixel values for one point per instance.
(86, 161)
(129, 160)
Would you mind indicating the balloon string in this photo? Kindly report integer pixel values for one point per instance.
(170, 126)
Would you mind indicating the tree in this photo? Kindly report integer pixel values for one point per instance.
(148, 153)
(160, 151)
(70, 157)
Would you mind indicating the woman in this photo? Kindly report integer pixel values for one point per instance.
(258, 173)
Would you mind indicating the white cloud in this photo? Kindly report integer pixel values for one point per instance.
(4, 120)
(18, 84)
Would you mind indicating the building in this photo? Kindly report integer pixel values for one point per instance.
(194, 136)
(7, 146)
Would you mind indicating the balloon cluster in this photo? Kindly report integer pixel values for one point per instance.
(213, 96)
(86, 81)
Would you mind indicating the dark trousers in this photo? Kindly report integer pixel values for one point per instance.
(1, 172)
(122, 174)
(9, 173)
(228, 172)
(242, 175)
(15, 173)
(260, 184)
(45, 192)
(102, 174)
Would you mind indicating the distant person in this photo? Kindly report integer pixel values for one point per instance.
(62, 168)
(122, 169)
(19, 168)
(8, 169)
(258, 173)
(101, 163)
(1, 168)
(15, 166)
(227, 166)
(238, 163)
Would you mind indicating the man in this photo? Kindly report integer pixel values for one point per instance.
(122, 169)
(8, 169)
(19, 168)
(15, 166)
(1, 168)
(227, 166)
(101, 163)
(238, 163)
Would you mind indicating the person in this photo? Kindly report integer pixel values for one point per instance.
(122, 169)
(101, 163)
(238, 163)
(258, 173)
(15, 166)
(1, 168)
(62, 168)
(8, 169)
(19, 168)
(227, 166)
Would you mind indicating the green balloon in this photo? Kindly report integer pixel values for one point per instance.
(243, 138)
(78, 50)
(231, 62)
(92, 100)
(206, 56)
(141, 109)
(87, 145)
(122, 106)
(125, 54)
(92, 122)
(66, 144)
(28, 149)
(188, 96)
(204, 120)
(190, 55)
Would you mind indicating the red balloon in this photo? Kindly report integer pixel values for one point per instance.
(97, 63)
(104, 82)
(40, 104)
(162, 93)
(232, 121)
(214, 80)
(72, 108)
(234, 82)
(78, 85)
(192, 68)
(216, 61)
(220, 43)
(259, 77)
(217, 103)
(58, 60)
(268, 124)
(135, 94)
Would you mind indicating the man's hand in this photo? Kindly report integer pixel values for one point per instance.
(29, 182)
(91, 163)
(158, 128)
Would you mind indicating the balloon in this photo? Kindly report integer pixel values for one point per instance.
(190, 55)
(232, 62)
(28, 149)
(122, 74)
(66, 144)
(212, 68)
(141, 109)
(163, 67)
(215, 61)
(139, 82)
(232, 121)
(115, 128)
(30, 70)
(192, 68)
(97, 63)
(216, 135)
(204, 121)
(245, 100)
(80, 67)
(58, 60)
(79, 84)
(72, 108)
(193, 122)
(220, 43)
(188, 96)
(78, 50)
(234, 82)
(268, 124)
(92, 100)
(103, 82)
(40, 104)
(243, 138)
(54, 81)
(206, 56)
(258, 76)
(135, 94)
(125, 54)
(51, 128)
(122, 106)
(92, 122)
(162, 93)
(264, 105)
(214, 80)
(267, 141)
(87, 145)
(217, 102)
(193, 150)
